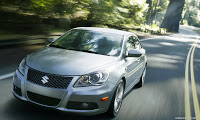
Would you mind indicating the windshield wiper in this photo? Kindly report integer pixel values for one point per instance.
(84, 51)
(81, 50)
(57, 46)
(92, 52)
(89, 51)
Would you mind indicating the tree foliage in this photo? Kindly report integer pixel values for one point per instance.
(191, 13)
(107, 12)
(156, 11)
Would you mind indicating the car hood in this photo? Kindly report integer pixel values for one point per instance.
(66, 62)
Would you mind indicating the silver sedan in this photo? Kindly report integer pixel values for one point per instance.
(87, 71)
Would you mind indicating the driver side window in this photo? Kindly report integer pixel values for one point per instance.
(132, 43)
(137, 44)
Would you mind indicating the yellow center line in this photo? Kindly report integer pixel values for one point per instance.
(194, 92)
(187, 92)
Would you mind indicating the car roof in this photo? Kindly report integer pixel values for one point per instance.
(107, 30)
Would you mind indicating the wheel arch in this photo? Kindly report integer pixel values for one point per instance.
(124, 80)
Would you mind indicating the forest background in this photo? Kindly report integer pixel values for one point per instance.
(151, 16)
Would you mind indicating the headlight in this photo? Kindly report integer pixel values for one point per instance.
(92, 79)
(22, 66)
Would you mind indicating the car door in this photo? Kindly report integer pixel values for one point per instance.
(133, 64)
(142, 58)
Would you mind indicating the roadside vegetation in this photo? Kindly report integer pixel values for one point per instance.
(28, 17)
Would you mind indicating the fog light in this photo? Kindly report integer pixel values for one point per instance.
(84, 105)
(104, 99)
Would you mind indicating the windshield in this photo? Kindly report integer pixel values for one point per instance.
(90, 41)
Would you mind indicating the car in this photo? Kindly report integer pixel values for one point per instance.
(86, 71)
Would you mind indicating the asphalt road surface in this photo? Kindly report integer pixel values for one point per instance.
(171, 90)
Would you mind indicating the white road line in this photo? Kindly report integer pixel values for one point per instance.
(6, 75)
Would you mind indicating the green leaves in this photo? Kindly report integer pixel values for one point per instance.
(191, 13)
(115, 13)
(104, 12)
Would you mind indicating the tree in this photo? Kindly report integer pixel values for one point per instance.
(153, 10)
(156, 11)
(117, 13)
(191, 13)
(173, 15)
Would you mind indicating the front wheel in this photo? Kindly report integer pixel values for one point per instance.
(116, 100)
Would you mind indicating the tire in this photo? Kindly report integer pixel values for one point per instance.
(142, 78)
(116, 102)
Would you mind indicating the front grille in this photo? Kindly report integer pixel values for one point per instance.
(53, 81)
(82, 105)
(17, 90)
(44, 100)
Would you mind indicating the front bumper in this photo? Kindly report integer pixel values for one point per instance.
(80, 100)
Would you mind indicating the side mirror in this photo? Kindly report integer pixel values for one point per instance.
(51, 40)
(134, 53)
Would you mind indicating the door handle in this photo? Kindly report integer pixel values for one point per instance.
(138, 59)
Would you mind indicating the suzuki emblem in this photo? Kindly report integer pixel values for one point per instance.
(45, 79)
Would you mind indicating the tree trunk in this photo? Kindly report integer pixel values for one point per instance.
(152, 11)
(173, 15)
(155, 10)
(149, 12)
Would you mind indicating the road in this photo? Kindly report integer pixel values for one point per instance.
(171, 90)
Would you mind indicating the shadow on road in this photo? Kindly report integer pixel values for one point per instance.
(20, 110)
(161, 98)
